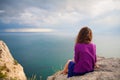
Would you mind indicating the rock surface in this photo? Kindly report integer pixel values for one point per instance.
(10, 69)
(109, 69)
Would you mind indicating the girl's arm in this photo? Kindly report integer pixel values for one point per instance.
(76, 54)
(96, 65)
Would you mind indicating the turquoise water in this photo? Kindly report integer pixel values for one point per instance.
(44, 54)
(40, 54)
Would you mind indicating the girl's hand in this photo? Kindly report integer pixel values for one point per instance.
(97, 66)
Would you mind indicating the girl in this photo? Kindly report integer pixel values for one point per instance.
(84, 55)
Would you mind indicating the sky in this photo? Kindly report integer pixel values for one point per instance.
(60, 16)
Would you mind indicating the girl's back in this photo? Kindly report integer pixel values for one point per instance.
(85, 57)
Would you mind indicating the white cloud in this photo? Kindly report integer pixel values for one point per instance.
(93, 8)
(28, 30)
(102, 7)
(37, 17)
(2, 11)
(107, 21)
(72, 11)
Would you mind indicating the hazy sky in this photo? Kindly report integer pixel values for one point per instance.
(60, 16)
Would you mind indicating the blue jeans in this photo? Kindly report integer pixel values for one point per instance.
(71, 70)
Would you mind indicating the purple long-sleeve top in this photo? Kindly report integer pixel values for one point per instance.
(85, 57)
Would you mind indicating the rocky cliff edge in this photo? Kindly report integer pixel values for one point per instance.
(109, 70)
(10, 69)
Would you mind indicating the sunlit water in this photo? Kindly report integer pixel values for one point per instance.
(42, 55)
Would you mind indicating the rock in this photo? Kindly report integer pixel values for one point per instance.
(10, 69)
(109, 70)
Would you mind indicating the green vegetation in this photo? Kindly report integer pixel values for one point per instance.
(13, 78)
(15, 62)
(3, 68)
(33, 77)
(2, 75)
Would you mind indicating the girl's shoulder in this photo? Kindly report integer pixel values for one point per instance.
(92, 43)
(84, 44)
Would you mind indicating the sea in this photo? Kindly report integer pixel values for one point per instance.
(42, 55)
